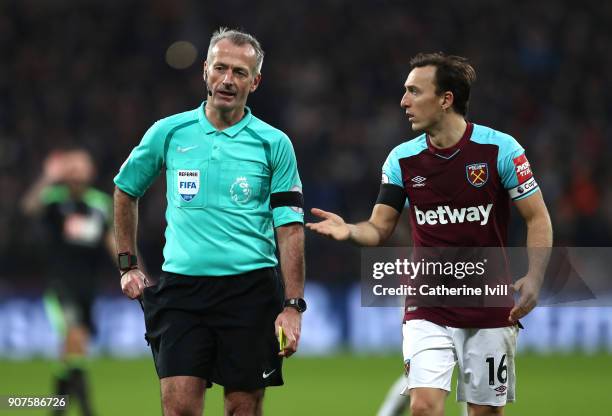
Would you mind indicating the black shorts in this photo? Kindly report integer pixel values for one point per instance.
(220, 329)
(75, 304)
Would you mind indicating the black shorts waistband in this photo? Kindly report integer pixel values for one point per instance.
(266, 271)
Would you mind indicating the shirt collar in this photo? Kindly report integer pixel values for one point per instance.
(452, 151)
(230, 131)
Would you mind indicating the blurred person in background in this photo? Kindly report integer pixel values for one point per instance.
(76, 219)
(232, 181)
(458, 179)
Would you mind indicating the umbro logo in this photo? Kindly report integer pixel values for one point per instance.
(418, 181)
(501, 390)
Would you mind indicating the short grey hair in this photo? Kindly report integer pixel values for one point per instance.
(237, 38)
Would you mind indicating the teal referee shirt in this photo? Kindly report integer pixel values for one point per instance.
(219, 220)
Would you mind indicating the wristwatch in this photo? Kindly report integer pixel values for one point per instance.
(127, 261)
(298, 304)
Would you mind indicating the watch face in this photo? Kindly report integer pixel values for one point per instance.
(298, 303)
(127, 261)
(124, 261)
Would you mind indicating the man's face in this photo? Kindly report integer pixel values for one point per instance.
(231, 75)
(423, 107)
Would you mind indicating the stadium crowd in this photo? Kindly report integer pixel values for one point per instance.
(94, 74)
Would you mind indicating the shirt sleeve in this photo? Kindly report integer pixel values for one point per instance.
(143, 164)
(285, 178)
(392, 173)
(515, 171)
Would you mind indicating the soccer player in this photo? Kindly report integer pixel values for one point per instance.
(455, 166)
(231, 180)
(77, 222)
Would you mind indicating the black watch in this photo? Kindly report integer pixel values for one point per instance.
(298, 304)
(127, 261)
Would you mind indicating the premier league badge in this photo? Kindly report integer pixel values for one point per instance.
(241, 191)
(188, 184)
(477, 174)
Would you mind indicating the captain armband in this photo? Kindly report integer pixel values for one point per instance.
(392, 195)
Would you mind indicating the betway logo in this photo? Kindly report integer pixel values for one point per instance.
(445, 214)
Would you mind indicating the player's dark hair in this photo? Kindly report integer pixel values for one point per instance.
(453, 73)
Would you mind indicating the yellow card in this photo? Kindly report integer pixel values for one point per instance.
(282, 338)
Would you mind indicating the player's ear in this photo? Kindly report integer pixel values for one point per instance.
(447, 100)
(256, 82)
(205, 71)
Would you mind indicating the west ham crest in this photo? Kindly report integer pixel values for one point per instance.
(477, 174)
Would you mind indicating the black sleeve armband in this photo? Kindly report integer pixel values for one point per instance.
(392, 195)
(287, 199)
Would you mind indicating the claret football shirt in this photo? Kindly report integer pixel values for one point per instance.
(460, 197)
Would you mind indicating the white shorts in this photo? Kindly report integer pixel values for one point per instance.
(485, 357)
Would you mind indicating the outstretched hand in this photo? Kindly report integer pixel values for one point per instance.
(332, 226)
(529, 291)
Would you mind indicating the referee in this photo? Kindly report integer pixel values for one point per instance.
(231, 180)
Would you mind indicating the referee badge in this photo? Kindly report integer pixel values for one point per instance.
(188, 184)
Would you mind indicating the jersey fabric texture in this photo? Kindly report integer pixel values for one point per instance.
(218, 190)
(460, 197)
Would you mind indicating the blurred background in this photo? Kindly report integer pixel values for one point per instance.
(96, 74)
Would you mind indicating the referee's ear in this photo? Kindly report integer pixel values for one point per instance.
(204, 69)
(256, 81)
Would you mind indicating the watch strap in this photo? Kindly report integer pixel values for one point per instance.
(298, 304)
